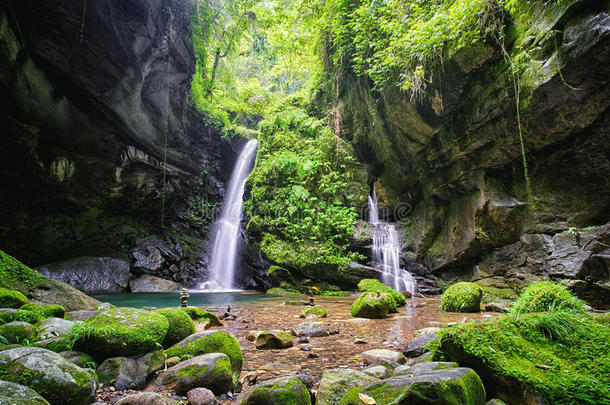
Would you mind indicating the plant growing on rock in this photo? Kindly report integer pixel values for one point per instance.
(462, 297)
(546, 296)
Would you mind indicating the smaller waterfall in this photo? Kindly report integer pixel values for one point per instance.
(386, 251)
(223, 261)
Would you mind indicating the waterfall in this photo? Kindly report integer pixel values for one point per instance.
(386, 251)
(224, 253)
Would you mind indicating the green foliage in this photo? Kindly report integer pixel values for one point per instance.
(374, 285)
(299, 209)
(180, 325)
(14, 274)
(462, 297)
(11, 298)
(546, 296)
(562, 356)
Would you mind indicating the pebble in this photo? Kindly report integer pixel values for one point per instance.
(360, 342)
(306, 349)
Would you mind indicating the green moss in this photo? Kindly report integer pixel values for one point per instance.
(14, 274)
(382, 393)
(209, 342)
(180, 326)
(369, 305)
(20, 315)
(18, 332)
(546, 296)
(46, 310)
(11, 298)
(316, 310)
(462, 297)
(283, 391)
(200, 315)
(374, 285)
(122, 332)
(573, 348)
(280, 292)
(336, 293)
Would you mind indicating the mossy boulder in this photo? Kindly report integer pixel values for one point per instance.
(371, 305)
(46, 310)
(180, 325)
(374, 285)
(56, 379)
(555, 358)
(455, 386)
(212, 341)
(122, 331)
(316, 310)
(20, 315)
(201, 315)
(15, 394)
(11, 298)
(462, 297)
(273, 339)
(279, 391)
(211, 371)
(338, 381)
(56, 334)
(18, 332)
(280, 292)
(546, 296)
(129, 373)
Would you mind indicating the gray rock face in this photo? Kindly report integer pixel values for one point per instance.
(416, 346)
(146, 398)
(55, 327)
(61, 381)
(15, 394)
(127, 373)
(379, 372)
(337, 381)
(151, 284)
(211, 371)
(310, 329)
(92, 275)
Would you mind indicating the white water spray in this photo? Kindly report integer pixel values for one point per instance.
(386, 251)
(224, 254)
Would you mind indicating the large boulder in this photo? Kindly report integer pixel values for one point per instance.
(212, 341)
(127, 373)
(212, 371)
(15, 394)
(56, 379)
(123, 331)
(11, 298)
(180, 325)
(201, 315)
(374, 285)
(337, 381)
(371, 305)
(443, 387)
(462, 297)
(17, 332)
(151, 284)
(310, 329)
(92, 275)
(278, 391)
(273, 339)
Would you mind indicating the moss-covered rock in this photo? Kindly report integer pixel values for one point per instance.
(56, 379)
(280, 292)
(128, 373)
(15, 394)
(337, 381)
(20, 315)
(546, 296)
(209, 342)
(46, 310)
(273, 339)
(371, 305)
(180, 325)
(316, 310)
(211, 371)
(200, 315)
(122, 331)
(557, 358)
(462, 297)
(279, 391)
(83, 360)
(11, 298)
(18, 332)
(374, 285)
(455, 386)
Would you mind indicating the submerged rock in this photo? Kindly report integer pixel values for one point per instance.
(56, 379)
(209, 342)
(279, 391)
(337, 381)
(310, 329)
(15, 394)
(211, 371)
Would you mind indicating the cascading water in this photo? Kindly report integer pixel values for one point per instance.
(224, 253)
(386, 251)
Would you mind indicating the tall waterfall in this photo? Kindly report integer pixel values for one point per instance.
(386, 251)
(224, 254)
